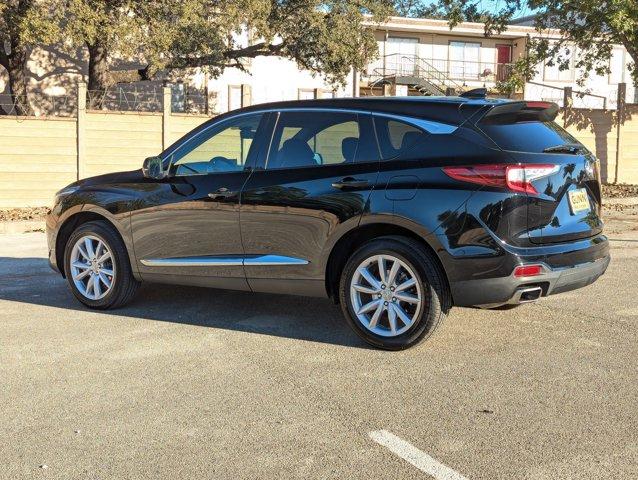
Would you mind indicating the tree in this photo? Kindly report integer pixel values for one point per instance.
(438, 11)
(327, 37)
(588, 27)
(23, 24)
(108, 29)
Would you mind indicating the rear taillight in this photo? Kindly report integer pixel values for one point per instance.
(517, 178)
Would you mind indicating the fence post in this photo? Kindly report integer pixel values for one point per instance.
(166, 116)
(620, 120)
(567, 104)
(80, 130)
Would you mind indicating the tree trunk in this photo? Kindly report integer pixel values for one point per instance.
(15, 64)
(98, 74)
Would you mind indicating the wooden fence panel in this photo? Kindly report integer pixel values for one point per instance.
(116, 141)
(180, 125)
(628, 166)
(37, 158)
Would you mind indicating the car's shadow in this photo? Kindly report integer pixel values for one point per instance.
(30, 280)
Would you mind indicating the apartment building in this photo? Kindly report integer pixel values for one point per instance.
(423, 56)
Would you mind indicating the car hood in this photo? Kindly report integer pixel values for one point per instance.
(110, 179)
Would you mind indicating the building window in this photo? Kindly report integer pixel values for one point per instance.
(328, 94)
(234, 97)
(401, 54)
(465, 58)
(617, 66)
(554, 73)
(306, 94)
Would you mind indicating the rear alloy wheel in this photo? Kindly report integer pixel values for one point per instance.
(97, 267)
(393, 293)
(386, 295)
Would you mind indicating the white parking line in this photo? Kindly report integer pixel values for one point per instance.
(413, 455)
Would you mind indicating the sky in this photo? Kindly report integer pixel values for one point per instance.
(496, 5)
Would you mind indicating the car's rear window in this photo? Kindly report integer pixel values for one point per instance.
(531, 136)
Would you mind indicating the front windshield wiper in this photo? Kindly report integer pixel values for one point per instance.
(572, 148)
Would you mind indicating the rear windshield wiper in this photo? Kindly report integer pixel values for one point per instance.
(572, 148)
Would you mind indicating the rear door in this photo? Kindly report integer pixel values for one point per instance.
(566, 204)
(316, 182)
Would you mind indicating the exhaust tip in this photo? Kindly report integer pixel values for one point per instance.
(531, 294)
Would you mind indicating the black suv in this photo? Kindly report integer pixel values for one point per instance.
(397, 208)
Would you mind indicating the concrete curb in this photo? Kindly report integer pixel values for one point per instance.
(620, 201)
(22, 226)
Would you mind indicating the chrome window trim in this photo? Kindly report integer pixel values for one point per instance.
(251, 261)
(430, 126)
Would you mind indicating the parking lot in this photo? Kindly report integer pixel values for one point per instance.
(196, 383)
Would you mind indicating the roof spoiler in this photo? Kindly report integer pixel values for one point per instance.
(520, 112)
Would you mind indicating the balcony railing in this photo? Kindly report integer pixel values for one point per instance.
(460, 70)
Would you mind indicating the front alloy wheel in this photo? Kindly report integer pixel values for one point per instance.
(92, 267)
(96, 265)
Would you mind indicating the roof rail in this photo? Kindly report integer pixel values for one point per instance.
(475, 93)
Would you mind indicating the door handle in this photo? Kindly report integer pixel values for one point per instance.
(350, 182)
(222, 192)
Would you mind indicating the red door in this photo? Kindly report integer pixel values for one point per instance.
(503, 61)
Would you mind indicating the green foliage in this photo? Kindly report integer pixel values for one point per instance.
(27, 22)
(23, 23)
(328, 37)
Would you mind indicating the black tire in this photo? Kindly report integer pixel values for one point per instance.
(125, 284)
(435, 290)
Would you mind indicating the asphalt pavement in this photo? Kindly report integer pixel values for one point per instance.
(196, 383)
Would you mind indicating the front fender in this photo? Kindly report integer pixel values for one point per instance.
(73, 210)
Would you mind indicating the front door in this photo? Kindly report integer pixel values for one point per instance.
(503, 62)
(186, 228)
(320, 170)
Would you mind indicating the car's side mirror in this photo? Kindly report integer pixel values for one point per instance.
(153, 167)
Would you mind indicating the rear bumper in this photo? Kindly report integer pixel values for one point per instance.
(557, 277)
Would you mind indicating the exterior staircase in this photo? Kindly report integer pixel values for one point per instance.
(416, 73)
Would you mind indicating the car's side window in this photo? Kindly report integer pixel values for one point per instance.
(224, 148)
(397, 139)
(314, 138)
